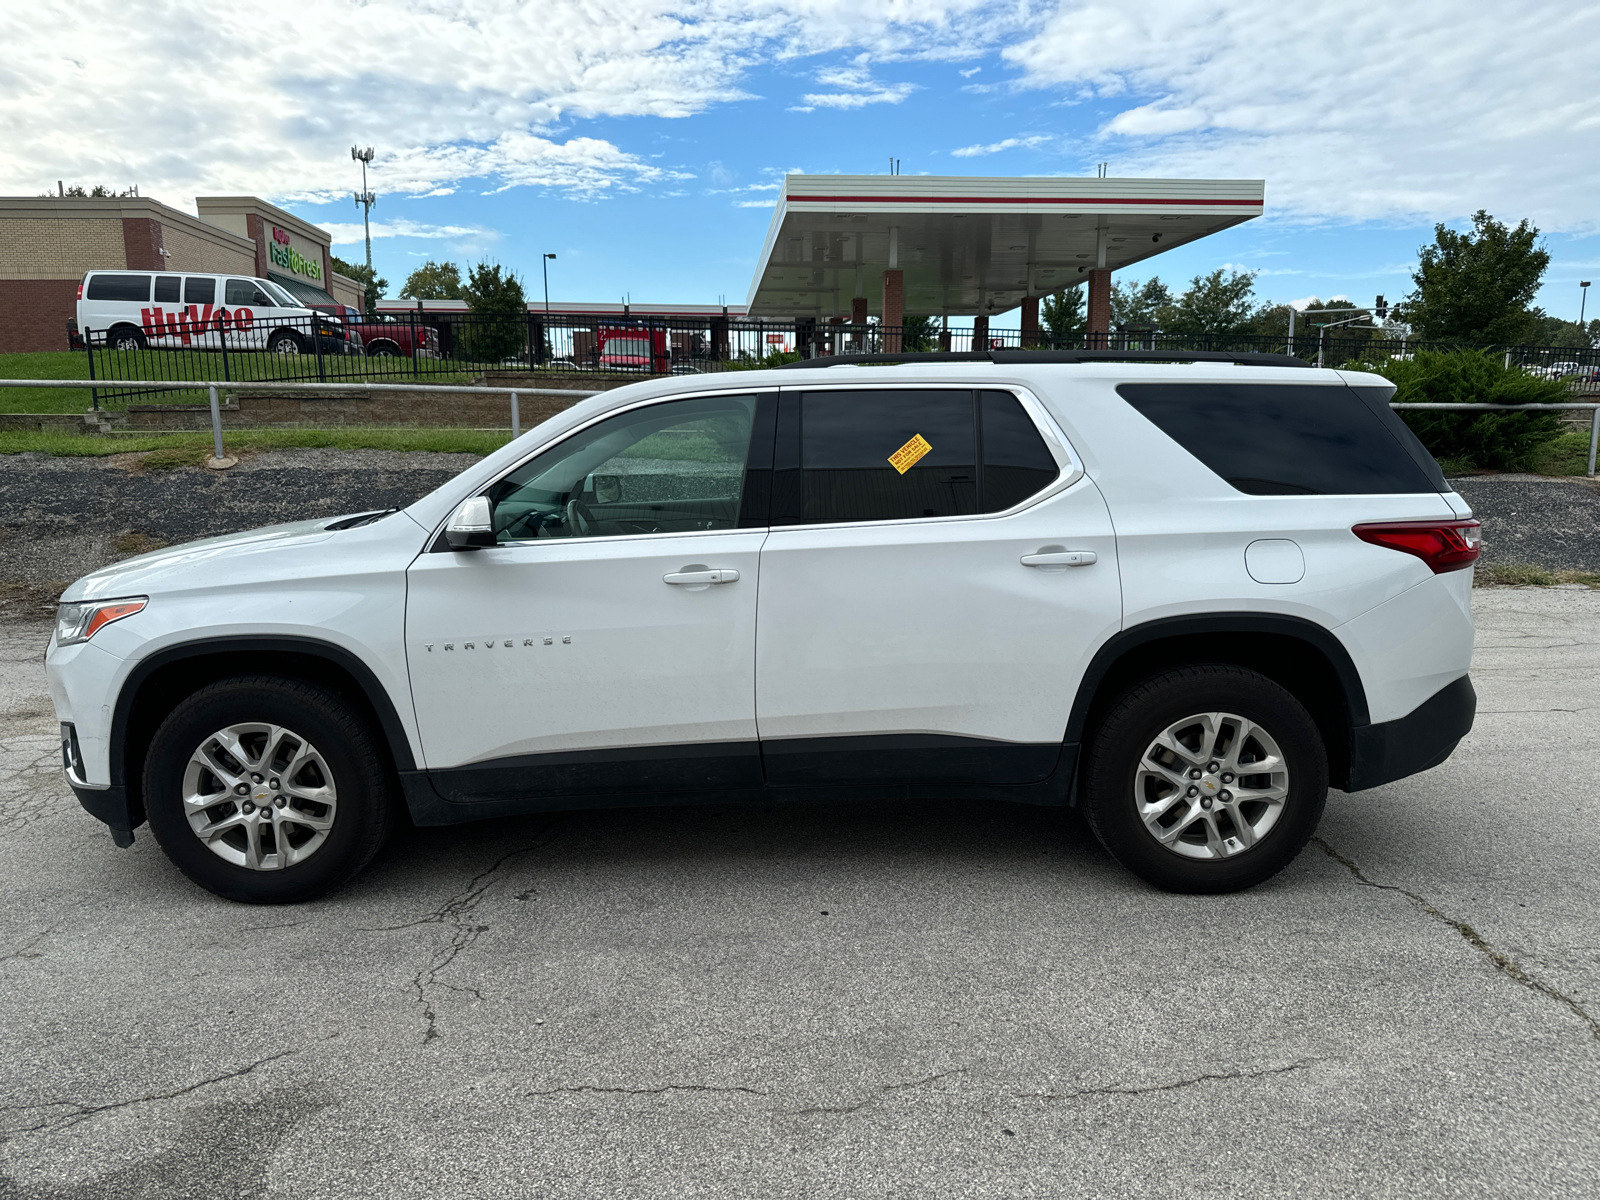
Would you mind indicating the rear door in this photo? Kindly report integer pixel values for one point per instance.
(918, 618)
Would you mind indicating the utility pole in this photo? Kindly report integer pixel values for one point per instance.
(365, 199)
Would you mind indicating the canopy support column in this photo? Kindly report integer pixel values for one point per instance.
(1099, 315)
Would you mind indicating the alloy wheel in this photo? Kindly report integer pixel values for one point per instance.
(1211, 785)
(259, 796)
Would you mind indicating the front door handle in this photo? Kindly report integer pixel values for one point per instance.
(701, 578)
(1059, 558)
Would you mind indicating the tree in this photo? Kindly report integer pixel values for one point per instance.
(498, 328)
(1553, 331)
(372, 286)
(98, 191)
(1138, 305)
(1062, 315)
(1478, 286)
(1221, 302)
(433, 281)
(918, 334)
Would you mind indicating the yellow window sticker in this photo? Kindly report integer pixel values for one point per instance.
(910, 454)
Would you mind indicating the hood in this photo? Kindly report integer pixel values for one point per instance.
(147, 572)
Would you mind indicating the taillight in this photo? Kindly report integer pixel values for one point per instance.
(1443, 545)
(80, 289)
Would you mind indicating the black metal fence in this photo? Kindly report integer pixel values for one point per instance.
(459, 347)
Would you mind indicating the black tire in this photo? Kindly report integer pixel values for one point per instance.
(383, 350)
(362, 778)
(286, 341)
(1112, 773)
(125, 337)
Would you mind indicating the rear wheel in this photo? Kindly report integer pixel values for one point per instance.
(125, 337)
(267, 790)
(383, 350)
(1208, 778)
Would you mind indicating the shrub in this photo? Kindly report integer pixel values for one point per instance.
(1497, 440)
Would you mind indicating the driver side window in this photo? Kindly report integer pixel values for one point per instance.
(674, 467)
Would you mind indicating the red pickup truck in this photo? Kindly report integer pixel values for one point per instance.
(386, 336)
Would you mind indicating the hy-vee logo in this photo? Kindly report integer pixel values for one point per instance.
(194, 320)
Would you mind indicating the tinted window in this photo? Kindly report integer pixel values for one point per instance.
(167, 289)
(119, 287)
(668, 468)
(1016, 461)
(887, 455)
(244, 291)
(1271, 439)
(199, 291)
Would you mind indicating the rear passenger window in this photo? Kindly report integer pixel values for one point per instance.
(1270, 439)
(199, 291)
(119, 287)
(887, 455)
(1016, 462)
(167, 289)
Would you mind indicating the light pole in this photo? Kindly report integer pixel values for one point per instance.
(1583, 305)
(365, 199)
(544, 265)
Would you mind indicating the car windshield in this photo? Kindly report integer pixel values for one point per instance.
(279, 294)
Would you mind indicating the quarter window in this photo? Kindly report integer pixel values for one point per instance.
(1016, 462)
(119, 287)
(1274, 439)
(675, 467)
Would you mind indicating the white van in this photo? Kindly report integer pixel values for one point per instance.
(129, 310)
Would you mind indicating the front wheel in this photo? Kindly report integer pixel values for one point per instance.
(1208, 778)
(286, 342)
(267, 790)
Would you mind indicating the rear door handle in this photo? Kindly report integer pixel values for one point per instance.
(723, 575)
(1060, 558)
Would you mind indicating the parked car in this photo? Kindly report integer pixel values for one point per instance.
(386, 336)
(132, 310)
(1186, 596)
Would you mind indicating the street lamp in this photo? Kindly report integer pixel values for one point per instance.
(365, 199)
(544, 265)
(1583, 305)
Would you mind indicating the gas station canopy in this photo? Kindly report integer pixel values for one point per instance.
(973, 246)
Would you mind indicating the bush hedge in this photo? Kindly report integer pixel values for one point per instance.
(1497, 440)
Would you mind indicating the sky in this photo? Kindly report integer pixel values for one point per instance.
(643, 141)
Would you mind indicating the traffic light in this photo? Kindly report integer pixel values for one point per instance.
(1381, 308)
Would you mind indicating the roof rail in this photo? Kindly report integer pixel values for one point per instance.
(1243, 358)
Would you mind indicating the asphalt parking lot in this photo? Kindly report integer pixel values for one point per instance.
(895, 1000)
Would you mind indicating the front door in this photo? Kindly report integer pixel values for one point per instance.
(607, 642)
(921, 616)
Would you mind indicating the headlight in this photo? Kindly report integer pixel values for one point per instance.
(79, 622)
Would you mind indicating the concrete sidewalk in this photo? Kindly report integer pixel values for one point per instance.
(849, 1000)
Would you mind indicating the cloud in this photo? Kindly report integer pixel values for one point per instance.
(1396, 111)
(996, 147)
(969, 72)
(448, 90)
(755, 203)
(862, 88)
(352, 233)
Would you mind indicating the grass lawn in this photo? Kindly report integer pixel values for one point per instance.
(168, 450)
(157, 364)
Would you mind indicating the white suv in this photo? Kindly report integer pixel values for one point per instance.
(1187, 596)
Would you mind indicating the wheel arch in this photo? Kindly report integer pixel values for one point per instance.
(158, 683)
(285, 330)
(1299, 655)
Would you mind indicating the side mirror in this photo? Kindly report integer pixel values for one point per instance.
(471, 526)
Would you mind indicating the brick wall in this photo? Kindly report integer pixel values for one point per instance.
(191, 253)
(142, 238)
(49, 248)
(36, 312)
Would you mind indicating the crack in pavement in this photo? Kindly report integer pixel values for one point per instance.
(82, 1112)
(26, 950)
(456, 911)
(1298, 1065)
(883, 1090)
(1502, 962)
(654, 1091)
